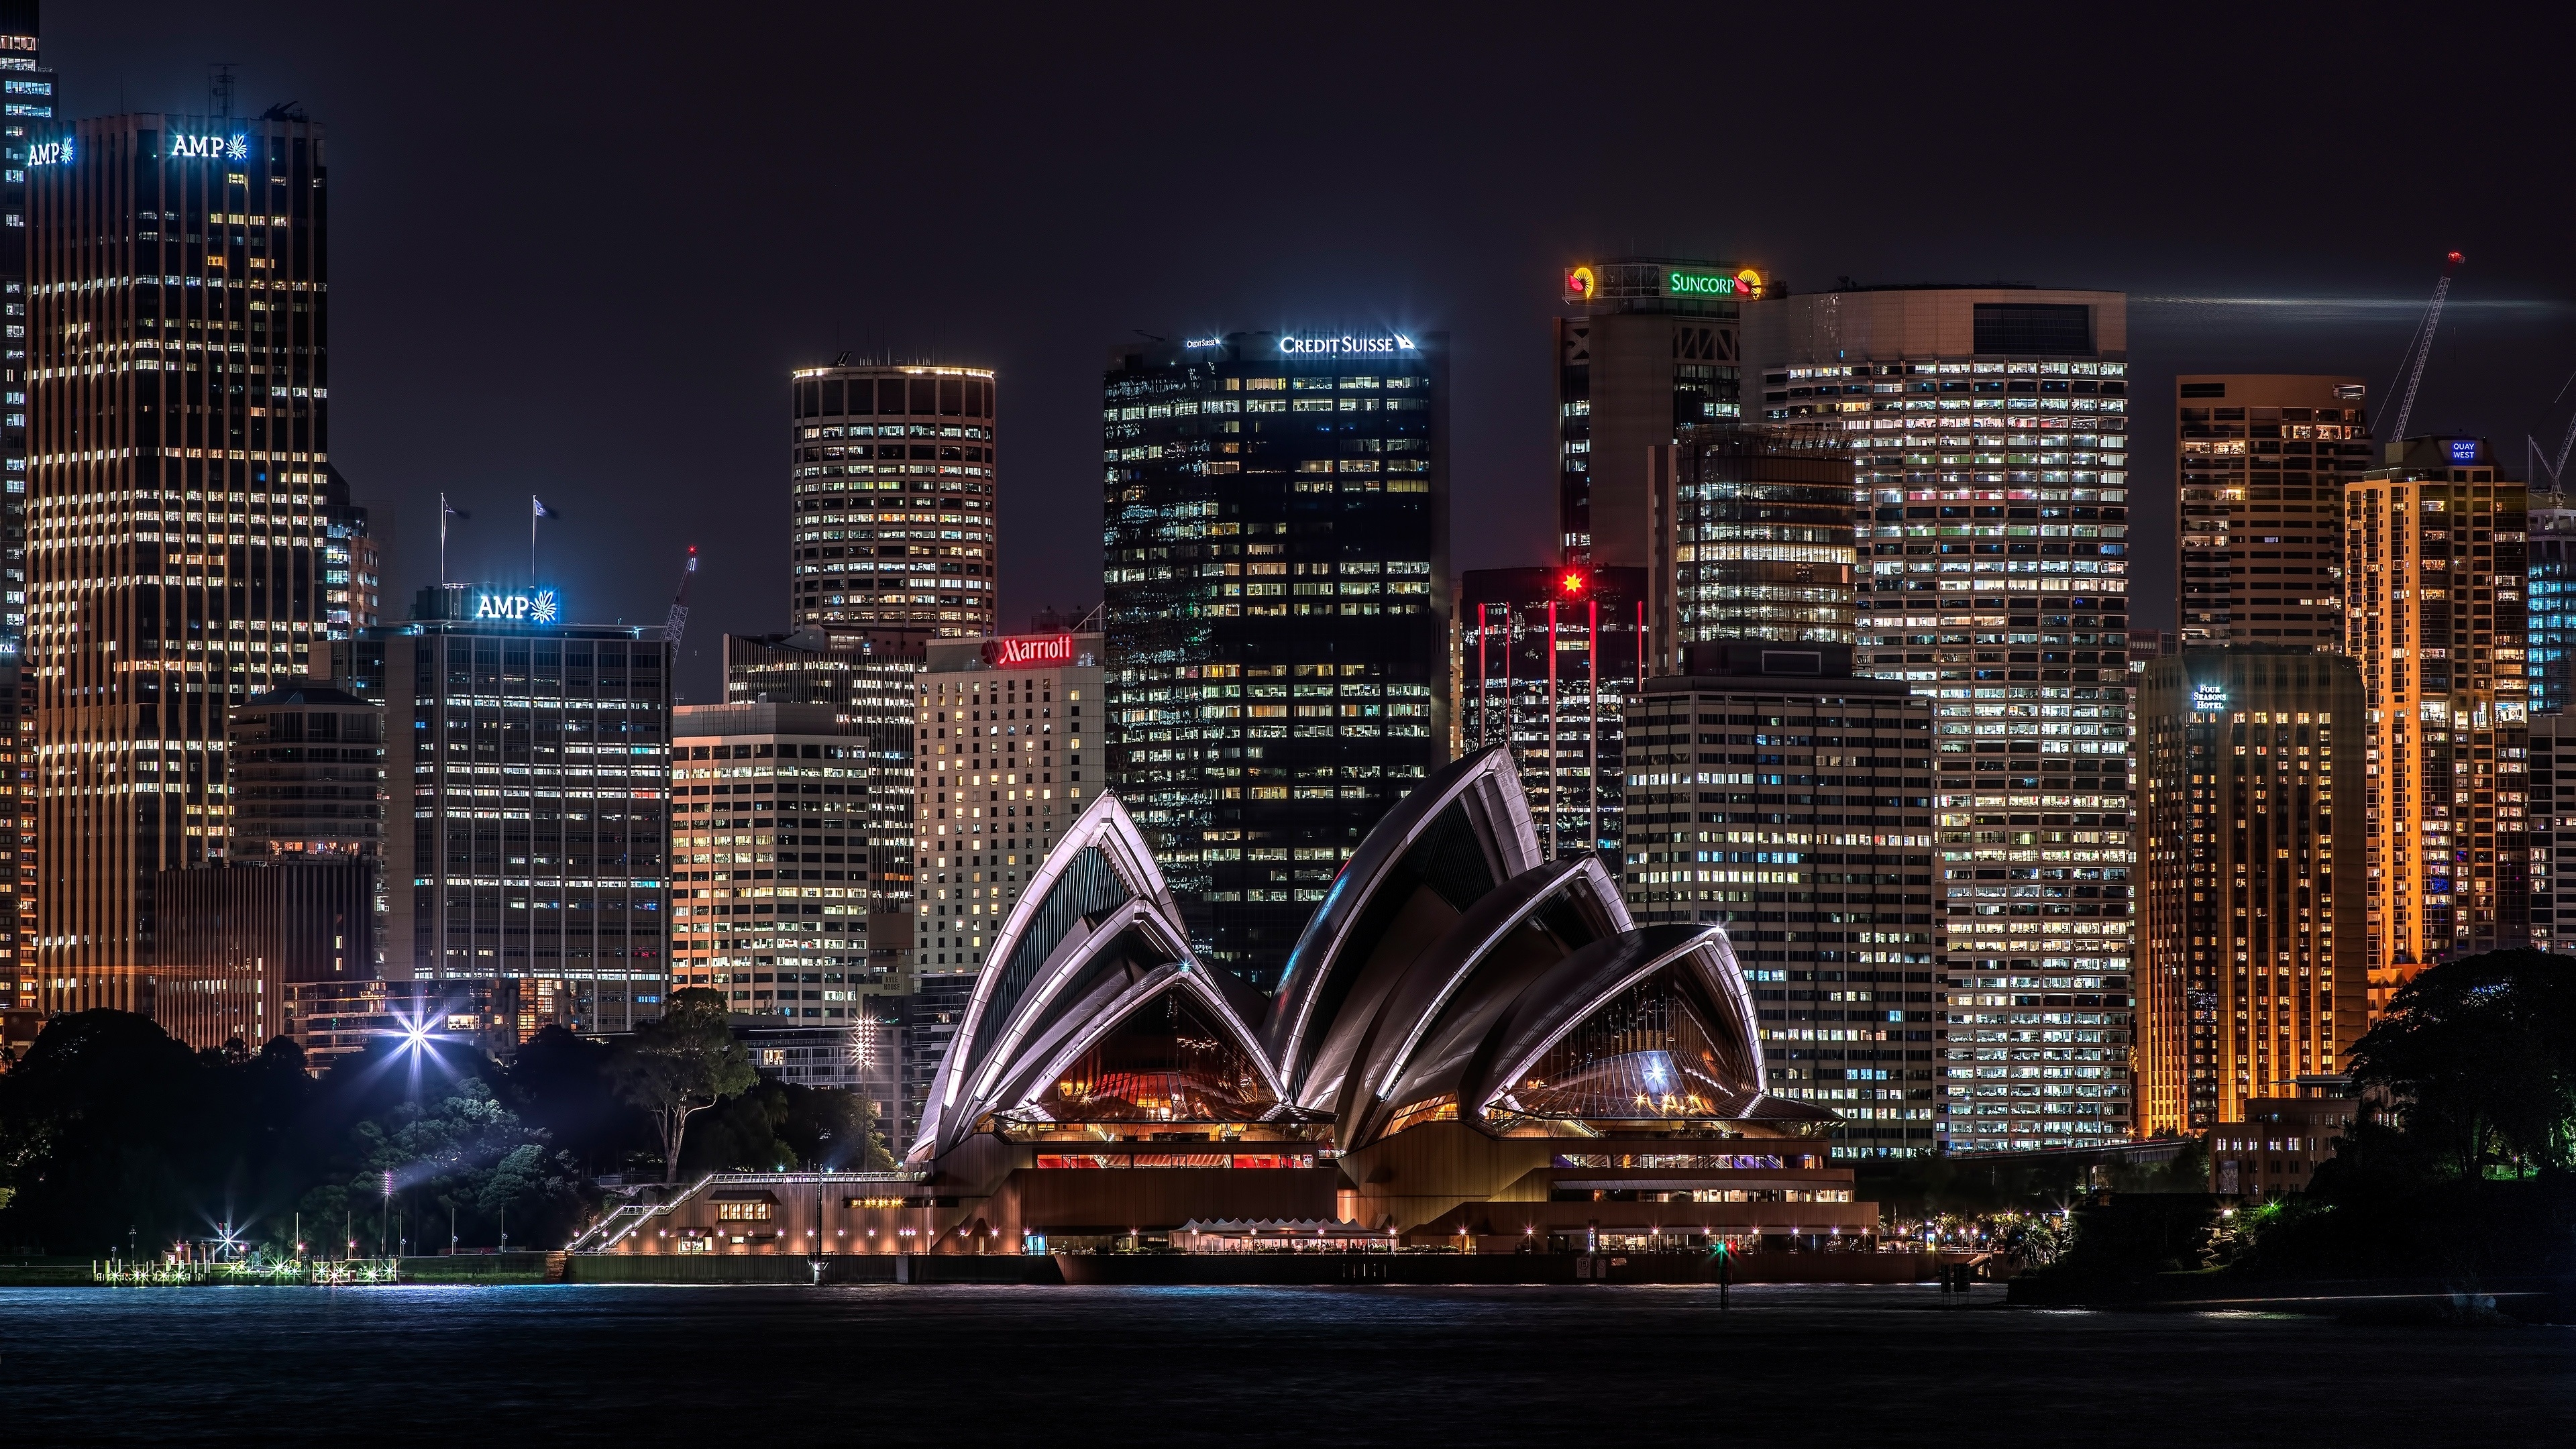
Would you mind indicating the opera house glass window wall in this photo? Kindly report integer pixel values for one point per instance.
(1276, 540)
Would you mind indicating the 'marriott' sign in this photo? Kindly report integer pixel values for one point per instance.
(1029, 651)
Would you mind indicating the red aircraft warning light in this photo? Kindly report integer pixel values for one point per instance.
(1572, 583)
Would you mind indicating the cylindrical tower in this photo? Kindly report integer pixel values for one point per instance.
(892, 529)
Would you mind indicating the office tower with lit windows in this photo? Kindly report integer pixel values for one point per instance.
(1009, 750)
(1989, 427)
(1277, 611)
(2261, 461)
(1547, 660)
(1760, 539)
(28, 106)
(2551, 576)
(1647, 347)
(2434, 552)
(1770, 790)
(771, 866)
(531, 770)
(2553, 830)
(179, 496)
(2252, 975)
(868, 683)
(892, 528)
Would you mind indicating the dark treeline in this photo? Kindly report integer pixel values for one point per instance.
(114, 1137)
(2464, 1169)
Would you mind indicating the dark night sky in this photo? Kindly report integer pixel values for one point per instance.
(576, 248)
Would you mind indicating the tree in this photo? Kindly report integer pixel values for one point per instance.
(2478, 1057)
(680, 1066)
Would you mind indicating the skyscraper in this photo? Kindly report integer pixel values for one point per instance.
(892, 531)
(772, 885)
(2550, 665)
(1649, 349)
(1990, 427)
(2256, 950)
(178, 326)
(1547, 662)
(2553, 831)
(28, 107)
(1009, 751)
(1770, 790)
(1277, 566)
(2434, 551)
(1759, 543)
(2262, 461)
(532, 769)
(869, 683)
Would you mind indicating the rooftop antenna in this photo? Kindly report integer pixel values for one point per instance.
(843, 360)
(219, 88)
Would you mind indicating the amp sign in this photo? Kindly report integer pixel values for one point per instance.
(520, 606)
(1029, 651)
(186, 147)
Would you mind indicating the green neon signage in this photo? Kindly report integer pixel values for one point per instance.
(1679, 282)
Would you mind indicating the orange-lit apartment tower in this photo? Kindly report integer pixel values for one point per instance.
(2255, 950)
(2434, 611)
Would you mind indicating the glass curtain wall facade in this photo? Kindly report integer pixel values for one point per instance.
(1277, 605)
(1649, 349)
(1989, 426)
(892, 529)
(179, 494)
(1762, 522)
(2433, 610)
(2262, 461)
(1795, 806)
(1547, 660)
(2551, 605)
(2256, 952)
(531, 840)
(31, 105)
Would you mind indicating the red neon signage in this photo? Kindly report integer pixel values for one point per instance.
(1029, 651)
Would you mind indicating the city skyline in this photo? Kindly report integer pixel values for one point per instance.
(685, 414)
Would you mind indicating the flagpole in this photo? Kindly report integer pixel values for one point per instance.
(532, 540)
(442, 540)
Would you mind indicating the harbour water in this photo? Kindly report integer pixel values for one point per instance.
(1239, 1366)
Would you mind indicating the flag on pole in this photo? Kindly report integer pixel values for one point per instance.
(451, 508)
(542, 511)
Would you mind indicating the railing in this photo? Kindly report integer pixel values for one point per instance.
(604, 1235)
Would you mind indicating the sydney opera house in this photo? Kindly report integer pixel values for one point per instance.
(1471, 1046)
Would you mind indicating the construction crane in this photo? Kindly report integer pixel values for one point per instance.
(2556, 469)
(2420, 350)
(678, 623)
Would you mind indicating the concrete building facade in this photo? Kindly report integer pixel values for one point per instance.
(2261, 463)
(1771, 791)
